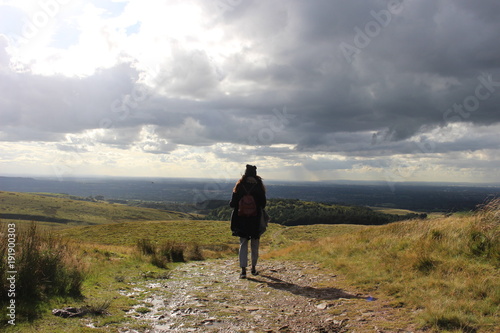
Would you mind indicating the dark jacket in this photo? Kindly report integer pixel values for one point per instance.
(247, 227)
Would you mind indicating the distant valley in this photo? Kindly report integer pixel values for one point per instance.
(421, 197)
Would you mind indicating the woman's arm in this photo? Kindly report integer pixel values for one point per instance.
(260, 197)
(235, 198)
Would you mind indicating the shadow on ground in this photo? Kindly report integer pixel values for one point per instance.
(306, 291)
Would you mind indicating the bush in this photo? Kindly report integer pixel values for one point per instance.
(174, 252)
(45, 267)
(195, 252)
(146, 247)
(168, 252)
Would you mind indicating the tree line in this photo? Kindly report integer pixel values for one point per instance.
(292, 212)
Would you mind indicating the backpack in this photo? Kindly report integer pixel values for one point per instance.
(247, 206)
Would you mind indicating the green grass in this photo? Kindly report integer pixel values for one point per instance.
(77, 212)
(44, 268)
(47, 226)
(109, 272)
(202, 232)
(316, 231)
(207, 234)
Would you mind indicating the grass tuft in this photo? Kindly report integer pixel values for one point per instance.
(45, 267)
(169, 252)
(449, 322)
(425, 265)
(146, 246)
(99, 308)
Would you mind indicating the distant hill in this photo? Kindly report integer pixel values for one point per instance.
(64, 210)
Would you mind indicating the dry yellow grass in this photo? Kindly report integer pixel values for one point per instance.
(449, 267)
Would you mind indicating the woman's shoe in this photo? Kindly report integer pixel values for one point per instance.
(254, 271)
(243, 274)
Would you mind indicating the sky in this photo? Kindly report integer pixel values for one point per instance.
(316, 90)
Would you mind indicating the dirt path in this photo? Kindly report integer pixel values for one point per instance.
(285, 297)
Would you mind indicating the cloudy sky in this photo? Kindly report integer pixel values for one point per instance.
(306, 90)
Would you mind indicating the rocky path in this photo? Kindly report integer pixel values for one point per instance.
(285, 297)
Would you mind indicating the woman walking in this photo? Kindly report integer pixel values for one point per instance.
(248, 201)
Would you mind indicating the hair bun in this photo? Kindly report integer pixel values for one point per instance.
(251, 170)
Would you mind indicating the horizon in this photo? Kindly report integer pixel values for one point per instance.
(395, 91)
(266, 180)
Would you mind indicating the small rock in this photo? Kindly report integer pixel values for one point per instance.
(68, 312)
(251, 308)
(322, 306)
(340, 322)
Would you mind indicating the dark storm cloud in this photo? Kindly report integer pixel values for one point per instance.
(56, 105)
(410, 67)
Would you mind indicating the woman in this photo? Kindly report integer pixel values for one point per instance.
(245, 219)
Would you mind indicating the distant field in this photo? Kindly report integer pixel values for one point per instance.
(64, 211)
(394, 211)
(202, 232)
(431, 215)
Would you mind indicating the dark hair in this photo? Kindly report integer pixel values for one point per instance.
(243, 179)
(251, 170)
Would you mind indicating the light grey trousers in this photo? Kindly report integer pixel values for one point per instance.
(254, 245)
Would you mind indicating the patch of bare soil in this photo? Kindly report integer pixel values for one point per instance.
(285, 297)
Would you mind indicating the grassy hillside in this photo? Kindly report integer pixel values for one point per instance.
(36, 207)
(446, 267)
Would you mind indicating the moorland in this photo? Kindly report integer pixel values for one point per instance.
(426, 270)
